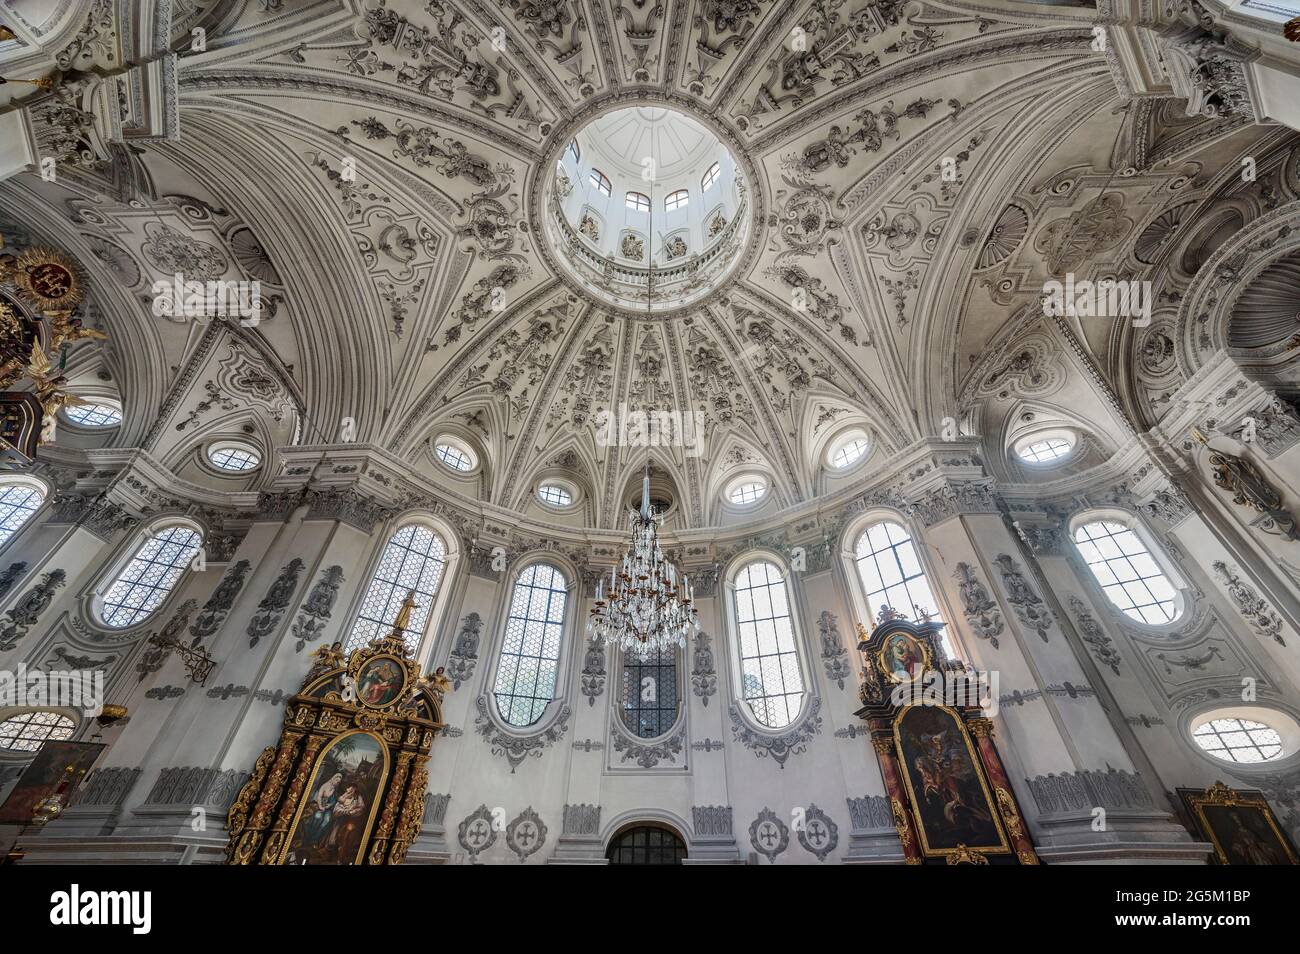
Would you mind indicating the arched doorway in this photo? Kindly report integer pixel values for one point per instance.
(646, 845)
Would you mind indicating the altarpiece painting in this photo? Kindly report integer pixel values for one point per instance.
(347, 781)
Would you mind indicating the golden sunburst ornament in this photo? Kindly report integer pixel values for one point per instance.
(48, 279)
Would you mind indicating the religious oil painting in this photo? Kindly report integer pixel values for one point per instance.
(380, 682)
(945, 782)
(58, 769)
(335, 816)
(902, 657)
(1240, 825)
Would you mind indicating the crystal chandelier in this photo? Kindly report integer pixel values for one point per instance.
(647, 605)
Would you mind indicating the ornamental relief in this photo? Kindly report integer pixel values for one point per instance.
(1096, 228)
(1031, 367)
(638, 38)
(840, 49)
(902, 236)
(441, 54)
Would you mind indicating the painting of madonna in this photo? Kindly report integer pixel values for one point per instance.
(334, 819)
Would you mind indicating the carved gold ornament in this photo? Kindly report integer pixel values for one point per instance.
(924, 658)
(1011, 817)
(961, 855)
(1291, 29)
(68, 330)
(904, 830)
(48, 279)
(370, 706)
(12, 335)
(11, 323)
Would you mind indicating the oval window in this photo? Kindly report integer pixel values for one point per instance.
(232, 457)
(847, 451)
(747, 490)
(554, 495)
(454, 454)
(94, 415)
(1239, 740)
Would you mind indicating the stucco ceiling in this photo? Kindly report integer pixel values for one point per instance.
(916, 171)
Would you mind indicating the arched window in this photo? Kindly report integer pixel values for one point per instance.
(646, 845)
(677, 200)
(601, 182)
(649, 692)
(711, 176)
(18, 501)
(770, 678)
(413, 560)
(530, 650)
(1130, 576)
(147, 580)
(637, 202)
(891, 571)
(28, 731)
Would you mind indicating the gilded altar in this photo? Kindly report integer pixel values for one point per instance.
(951, 798)
(346, 782)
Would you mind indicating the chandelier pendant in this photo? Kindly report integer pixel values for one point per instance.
(647, 606)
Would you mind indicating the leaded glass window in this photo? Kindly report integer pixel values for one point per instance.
(454, 457)
(148, 579)
(771, 681)
(848, 452)
(1239, 740)
(530, 650)
(28, 731)
(94, 415)
(1127, 572)
(413, 560)
(649, 692)
(18, 502)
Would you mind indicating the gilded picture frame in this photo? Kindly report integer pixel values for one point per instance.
(380, 680)
(1240, 825)
(901, 652)
(947, 777)
(315, 783)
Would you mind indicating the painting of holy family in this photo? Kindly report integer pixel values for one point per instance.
(334, 820)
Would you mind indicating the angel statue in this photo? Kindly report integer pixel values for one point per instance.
(68, 330)
(51, 388)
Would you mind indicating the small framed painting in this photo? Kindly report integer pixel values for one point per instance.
(1240, 825)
